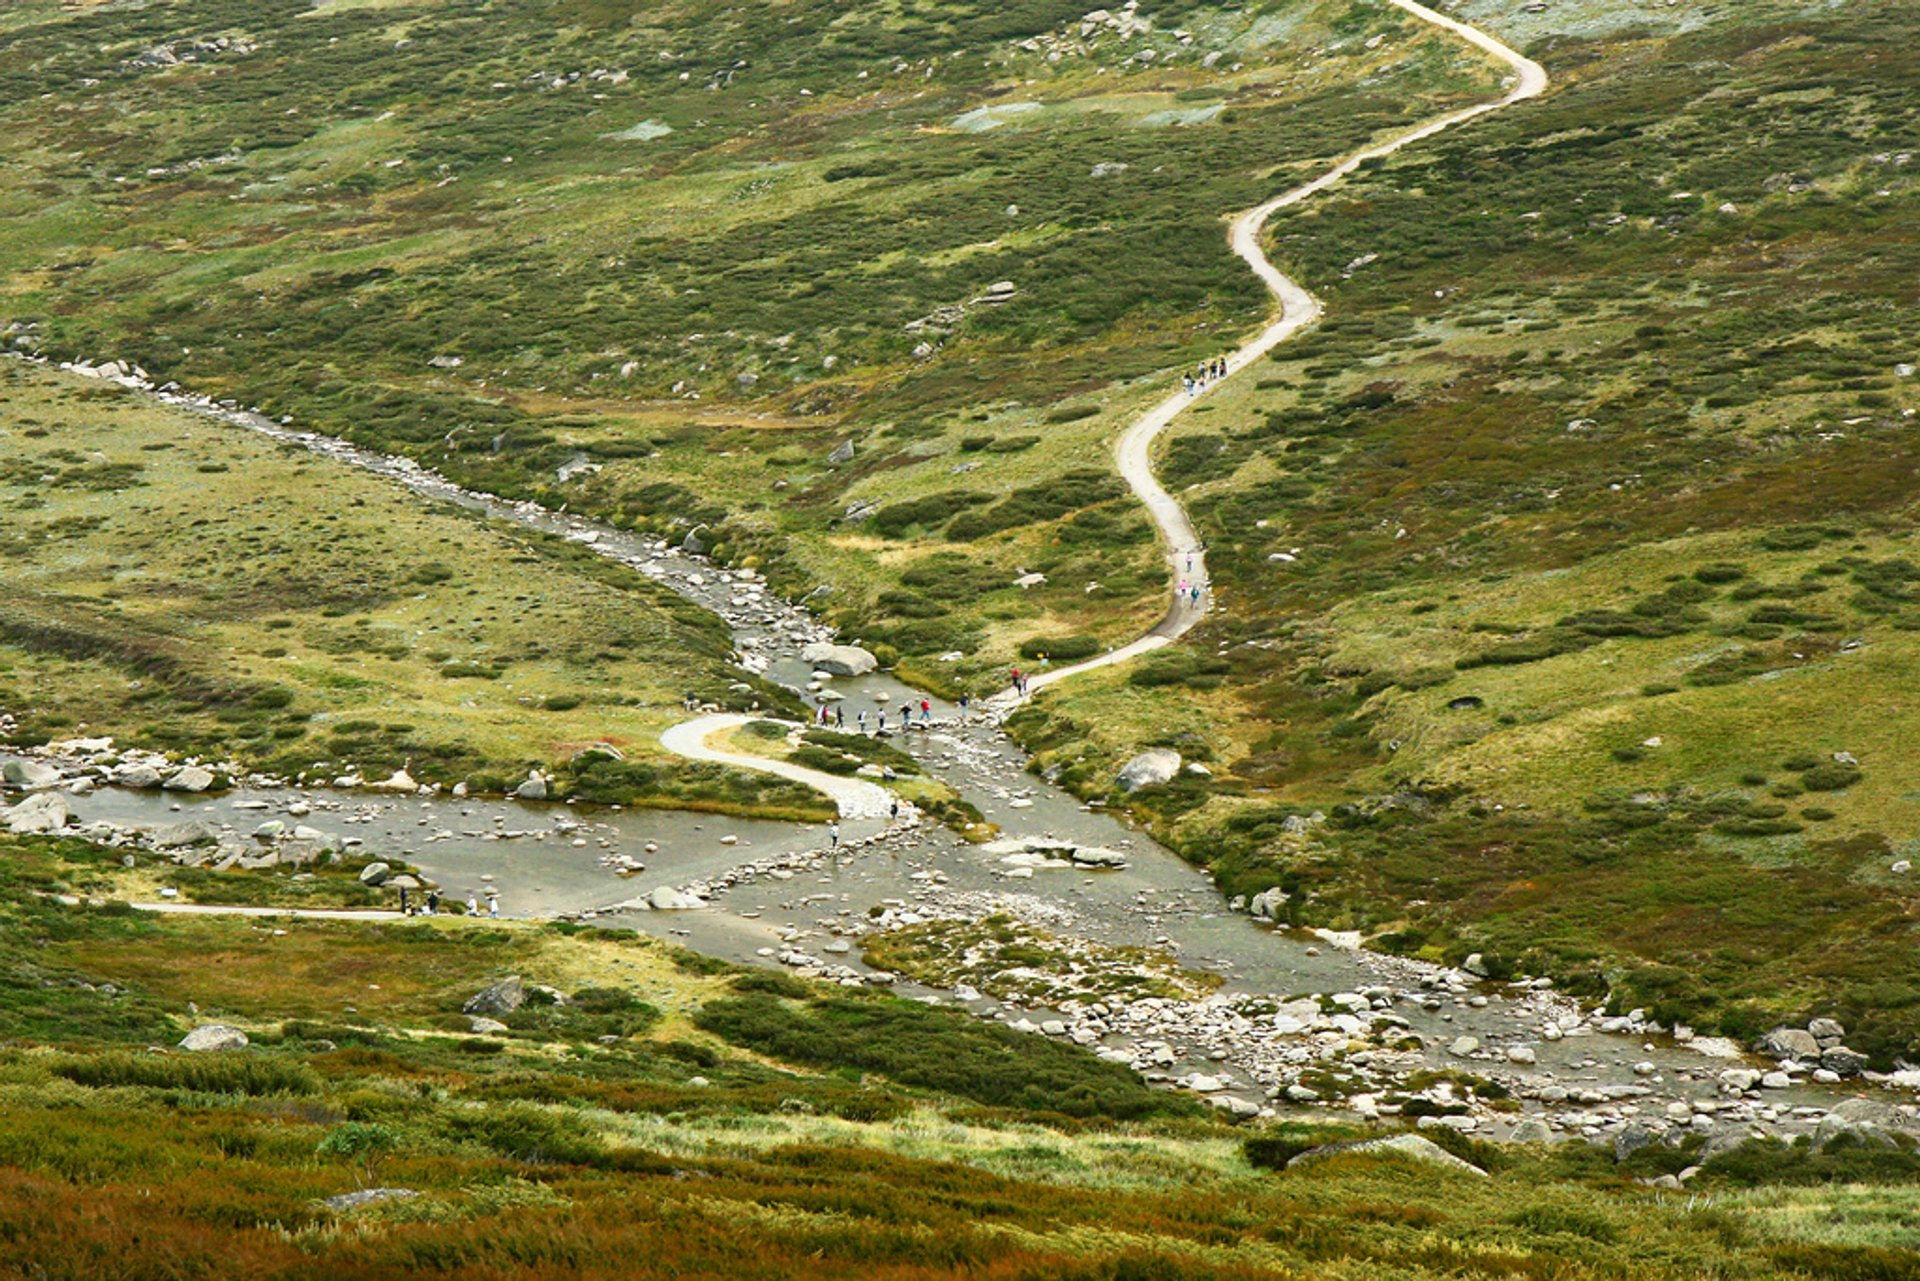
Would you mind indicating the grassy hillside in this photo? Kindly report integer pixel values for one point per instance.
(701, 245)
(1568, 565)
(675, 1117)
(189, 588)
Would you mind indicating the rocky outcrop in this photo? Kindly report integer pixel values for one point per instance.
(40, 813)
(30, 776)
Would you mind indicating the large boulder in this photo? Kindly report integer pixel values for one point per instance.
(144, 777)
(1148, 769)
(1789, 1043)
(1843, 1061)
(841, 660)
(30, 776)
(39, 813)
(502, 998)
(534, 789)
(1098, 856)
(375, 874)
(189, 778)
(175, 836)
(1412, 1146)
(669, 899)
(214, 1036)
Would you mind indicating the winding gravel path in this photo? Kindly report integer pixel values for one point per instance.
(1186, 556)
(856, 797)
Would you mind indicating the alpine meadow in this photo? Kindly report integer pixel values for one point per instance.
(959, 638)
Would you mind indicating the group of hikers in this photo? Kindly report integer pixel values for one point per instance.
(836, 716)
(1211, 371)
(431, 905)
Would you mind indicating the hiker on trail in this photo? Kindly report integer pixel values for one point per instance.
(403, 902)
(926, 712)
(862, 718)
(433, 902)
(823, 713)
(1018, 688)
(883, 720)
(833, 836)
(893, 811)
(473, 905)
(1196, 593)
(493, 904)
(964, 700)
(839, 718)
(1220, 368)
(1189, 562)
(1187, 381)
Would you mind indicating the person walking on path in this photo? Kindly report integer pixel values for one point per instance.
(964, 700)
(473, 905)
(862, 718)
(833, 836)
(926, 712)
(1196, 593)
(883, 720)
(893, 810)
(493, 904)
(839, 717)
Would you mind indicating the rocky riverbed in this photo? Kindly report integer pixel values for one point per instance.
(1298, 1020)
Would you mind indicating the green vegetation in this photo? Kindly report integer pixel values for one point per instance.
(305, 620)
(1569, 525)
(675, 1116)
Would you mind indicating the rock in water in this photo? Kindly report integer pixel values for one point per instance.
(1095, 856)
(502, 998)
(1149, 769)
(189, 778)
(30, 775)
(144, 777)
(41, 812)
(534, 789)
(214, 1036)
(841, 660)
(1789, 1043)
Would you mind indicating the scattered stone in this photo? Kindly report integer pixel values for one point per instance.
(367, 1196)
(481, 1025)
(1462, 1046)
(503, 997)
(842, 453)
(1411, 1146)
(214, 1036)
(1148, 769)
(189, 778)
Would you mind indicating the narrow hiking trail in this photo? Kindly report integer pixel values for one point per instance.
(1186, 555)
(856, 798)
